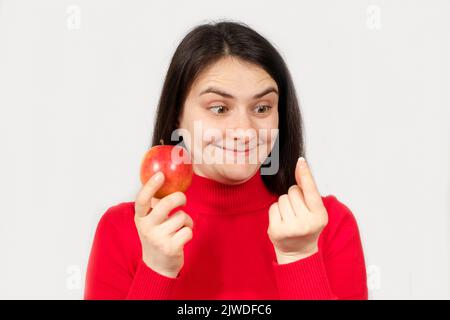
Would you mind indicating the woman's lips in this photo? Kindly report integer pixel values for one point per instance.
(236, 151)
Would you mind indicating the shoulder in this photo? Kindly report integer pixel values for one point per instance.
(119, 216)
(338, 212)
(116, 231)
(341, 220)
(116, 240)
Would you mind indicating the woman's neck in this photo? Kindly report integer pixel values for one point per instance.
(207, 195)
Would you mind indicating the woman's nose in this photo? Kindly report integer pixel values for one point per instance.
(241, 120)
(241, 128)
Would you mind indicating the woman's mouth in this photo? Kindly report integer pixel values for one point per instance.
(237, 151)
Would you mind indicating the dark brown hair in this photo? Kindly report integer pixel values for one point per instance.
(206, 44)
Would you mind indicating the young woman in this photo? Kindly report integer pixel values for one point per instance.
(244, 229)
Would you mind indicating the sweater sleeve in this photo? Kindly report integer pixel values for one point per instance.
(337, 271)
(109, 275)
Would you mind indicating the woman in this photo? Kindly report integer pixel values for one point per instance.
(244, 229)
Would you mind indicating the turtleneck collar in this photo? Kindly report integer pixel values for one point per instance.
(208, 196)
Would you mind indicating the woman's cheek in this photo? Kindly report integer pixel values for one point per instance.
(268, 137)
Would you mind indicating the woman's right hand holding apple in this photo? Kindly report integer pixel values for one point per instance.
(162, 237)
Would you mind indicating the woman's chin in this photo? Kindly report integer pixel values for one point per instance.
(238, 172)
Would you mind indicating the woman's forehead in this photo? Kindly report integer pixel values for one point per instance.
(232, 70)
(233, 79)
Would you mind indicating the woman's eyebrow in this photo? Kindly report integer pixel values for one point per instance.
(227, 95)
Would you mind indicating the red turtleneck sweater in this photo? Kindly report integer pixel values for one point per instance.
(230, 255)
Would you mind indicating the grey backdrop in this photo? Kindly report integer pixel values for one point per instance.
(79, 82)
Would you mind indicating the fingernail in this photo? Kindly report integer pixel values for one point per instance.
(158, 176)
(302, 162)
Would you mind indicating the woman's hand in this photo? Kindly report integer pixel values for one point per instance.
(297, 219)
(162, 237)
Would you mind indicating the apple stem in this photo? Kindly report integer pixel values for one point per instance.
(161, 141)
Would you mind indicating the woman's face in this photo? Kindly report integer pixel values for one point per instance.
(229, 120)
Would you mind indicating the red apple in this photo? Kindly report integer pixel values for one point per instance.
(174, 162)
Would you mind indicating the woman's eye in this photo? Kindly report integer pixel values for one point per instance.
(219, 109)
(262, 109)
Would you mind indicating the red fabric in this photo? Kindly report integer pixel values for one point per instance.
(230, 255)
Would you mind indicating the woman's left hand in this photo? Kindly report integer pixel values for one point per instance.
(298, 218)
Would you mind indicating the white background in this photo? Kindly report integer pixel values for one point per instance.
(79, 82)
